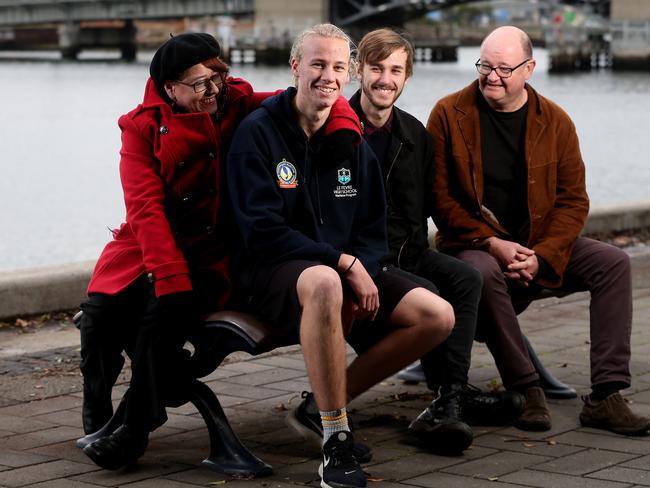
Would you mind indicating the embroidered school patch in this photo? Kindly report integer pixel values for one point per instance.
(344, 176)
(345, 189)
(287, 174)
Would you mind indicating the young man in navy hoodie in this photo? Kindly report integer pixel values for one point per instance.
(312, 223)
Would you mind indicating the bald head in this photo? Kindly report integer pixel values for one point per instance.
(506, 64)
(509, 37)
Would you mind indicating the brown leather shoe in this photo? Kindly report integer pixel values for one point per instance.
(613, 414)
(535, 416)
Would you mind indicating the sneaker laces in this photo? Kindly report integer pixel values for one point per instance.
(341, 454)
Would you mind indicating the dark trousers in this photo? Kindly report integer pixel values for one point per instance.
(134, 321)
(106, 330)
(460, 285)
(599, 268)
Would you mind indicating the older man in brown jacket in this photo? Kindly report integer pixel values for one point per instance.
(511, 201)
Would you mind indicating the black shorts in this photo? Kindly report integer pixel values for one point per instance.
(275, 298)
(365, 334)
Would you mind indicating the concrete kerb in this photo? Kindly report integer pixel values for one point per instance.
(616, 218)
(41, 290)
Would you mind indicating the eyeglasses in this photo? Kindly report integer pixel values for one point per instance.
(202, 85)
(502, 71)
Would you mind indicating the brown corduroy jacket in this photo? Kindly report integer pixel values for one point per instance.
(557, 199)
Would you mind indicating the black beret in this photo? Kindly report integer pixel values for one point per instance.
(179, 53)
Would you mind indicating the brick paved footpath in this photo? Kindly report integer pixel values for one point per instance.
(37, 437)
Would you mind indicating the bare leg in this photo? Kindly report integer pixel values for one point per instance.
(321, 335)
(422, 320)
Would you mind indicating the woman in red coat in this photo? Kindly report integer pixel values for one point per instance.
(168, 263)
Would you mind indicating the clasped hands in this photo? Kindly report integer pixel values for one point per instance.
(518, 262)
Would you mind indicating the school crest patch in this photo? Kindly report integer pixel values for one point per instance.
(287, 174)
(344, 176)
(344, 188)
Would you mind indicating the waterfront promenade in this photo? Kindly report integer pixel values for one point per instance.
(40, 417)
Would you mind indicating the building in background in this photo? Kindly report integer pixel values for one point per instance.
(630, 31)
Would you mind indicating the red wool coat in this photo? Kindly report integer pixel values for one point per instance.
(170, 172)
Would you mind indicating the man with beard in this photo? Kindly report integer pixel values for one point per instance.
(405, 152)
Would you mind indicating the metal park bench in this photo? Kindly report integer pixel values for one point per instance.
(222, 334)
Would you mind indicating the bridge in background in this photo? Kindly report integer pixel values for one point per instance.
(341, 12)
(15, 13)
(272, 18)
(395, 12)
(71, 14)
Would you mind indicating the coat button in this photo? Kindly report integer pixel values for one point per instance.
(163, 129)
(150, 277)
(186, 199)
(181, 164)
(211, 155)
(209, 229)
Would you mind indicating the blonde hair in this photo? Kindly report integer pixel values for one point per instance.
(322, 30)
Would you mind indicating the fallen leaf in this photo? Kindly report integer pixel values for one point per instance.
(493, 478)
(242, 477)
(528, 444)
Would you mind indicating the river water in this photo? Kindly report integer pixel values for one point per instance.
(59, 141)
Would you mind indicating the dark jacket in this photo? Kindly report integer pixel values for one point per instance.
(291, 201)
(557, 200)
(408, 178)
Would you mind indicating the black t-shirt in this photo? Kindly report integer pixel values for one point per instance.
(504, 168)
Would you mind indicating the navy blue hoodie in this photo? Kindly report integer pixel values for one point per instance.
(291, 201)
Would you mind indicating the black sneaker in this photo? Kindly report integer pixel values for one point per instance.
(440, 427)
(340, 469)
(305, 419)
(490, 408)
(121, 448)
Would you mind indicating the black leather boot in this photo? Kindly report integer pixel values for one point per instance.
(122, 448)
(490, 408)
(440, 425)
(95, 411)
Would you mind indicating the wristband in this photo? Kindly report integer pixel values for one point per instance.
(350, 267)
